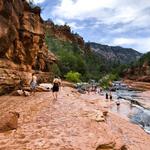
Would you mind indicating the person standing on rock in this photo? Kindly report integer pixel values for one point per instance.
(33, 83)
(55, 88)
(110, 96)
(106, 95)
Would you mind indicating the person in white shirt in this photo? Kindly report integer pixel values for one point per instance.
(33, 83)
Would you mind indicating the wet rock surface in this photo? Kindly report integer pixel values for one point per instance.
(135, 85)
(68, 124)
(134, 105)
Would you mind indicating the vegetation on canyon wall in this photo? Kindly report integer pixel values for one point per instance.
(145, 59)
(139, 70)
(83, 61)
(91, 60)
(24, 49)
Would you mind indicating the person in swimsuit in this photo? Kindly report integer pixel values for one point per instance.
(56, 85)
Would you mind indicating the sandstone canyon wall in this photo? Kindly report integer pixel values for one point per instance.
(140, 71)
(64, 33)
(22, 44)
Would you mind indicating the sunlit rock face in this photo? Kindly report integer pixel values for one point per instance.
(22, 41)
(140, 72)
(64, 33)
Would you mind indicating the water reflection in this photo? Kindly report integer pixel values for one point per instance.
(127, 108)
(118, 108)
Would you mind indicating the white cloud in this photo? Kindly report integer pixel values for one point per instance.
(107, 11)
(108, 21)
(141, 44)
(70, 9)
(36, 1)
(75, 26)
(80, 8)
(59, 21)
(123, 41)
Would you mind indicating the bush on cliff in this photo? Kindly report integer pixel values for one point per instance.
(144, 58)
(71, 57)
(55, 69)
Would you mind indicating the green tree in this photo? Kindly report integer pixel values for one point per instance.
(73, 76)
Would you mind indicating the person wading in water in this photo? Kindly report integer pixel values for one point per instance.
(55, 88)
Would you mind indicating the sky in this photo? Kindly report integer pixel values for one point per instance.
(123, 23)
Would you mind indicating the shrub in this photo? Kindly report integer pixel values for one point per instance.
(106, 81)
(55, 69)
(73, 76)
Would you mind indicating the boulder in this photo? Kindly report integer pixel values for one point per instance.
(20, 93)
(105, 113)
(9, 121)
(97, 116)
(47, 86)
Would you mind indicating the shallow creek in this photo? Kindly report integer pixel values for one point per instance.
(132, 106)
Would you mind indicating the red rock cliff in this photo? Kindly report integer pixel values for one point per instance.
(64, 33)
(140, 72)
(22, 42)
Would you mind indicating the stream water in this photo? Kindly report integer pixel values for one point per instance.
(131, 107)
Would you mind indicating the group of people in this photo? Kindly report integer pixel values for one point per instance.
(94, 89)
(108, 96)
(33, 84)
(56, 87)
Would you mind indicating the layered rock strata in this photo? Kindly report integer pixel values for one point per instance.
(22, 43)
(64, 33)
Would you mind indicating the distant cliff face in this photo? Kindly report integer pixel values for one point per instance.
(119, 54)
(95, 61)
(22, 41)
(141, 70)
(115, 53)
(64, 33)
